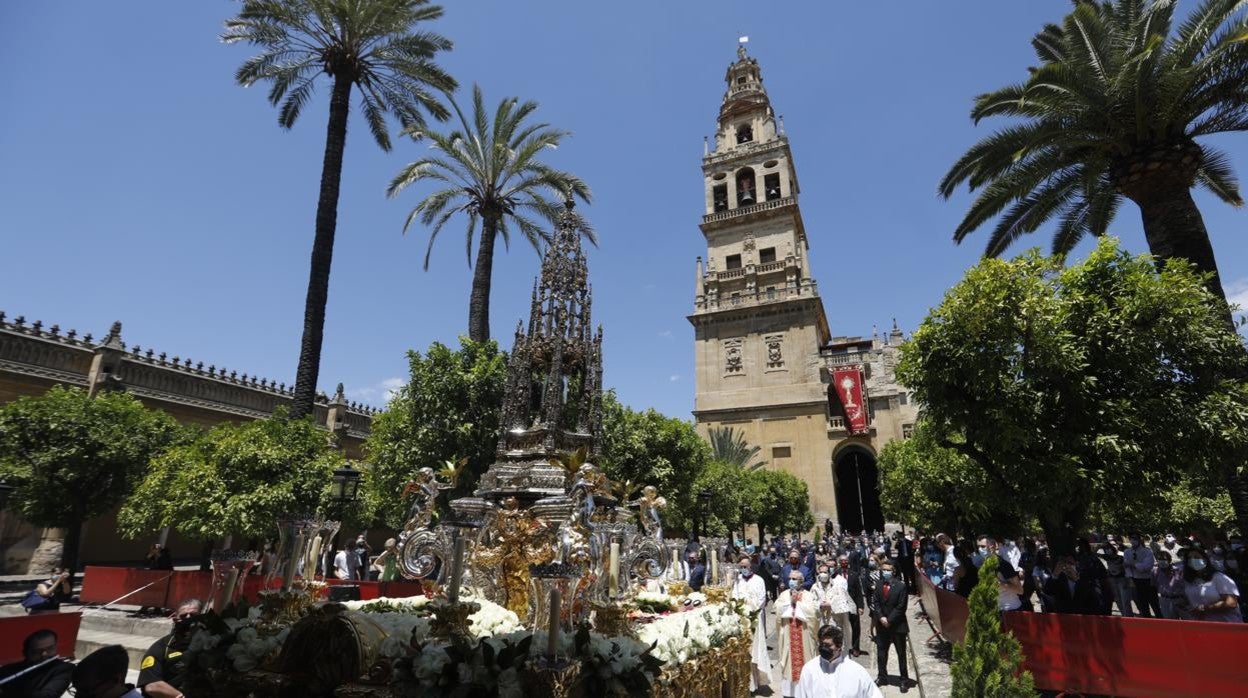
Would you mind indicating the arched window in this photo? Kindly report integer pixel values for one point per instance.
(745, 187)
(745, 133)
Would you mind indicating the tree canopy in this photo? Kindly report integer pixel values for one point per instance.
(447, 411)
(236, 479)
(649, 448)
(1113, 110)
(1104, 380)
(73, 457)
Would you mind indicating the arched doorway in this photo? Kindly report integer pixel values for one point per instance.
(858, 490)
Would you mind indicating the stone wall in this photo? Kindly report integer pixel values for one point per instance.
(35, 357)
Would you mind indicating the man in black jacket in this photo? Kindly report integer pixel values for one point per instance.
(854, 580)
(891, 625)
(49, 680)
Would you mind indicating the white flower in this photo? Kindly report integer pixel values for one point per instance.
(430, 663)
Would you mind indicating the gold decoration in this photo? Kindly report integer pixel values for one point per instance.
(612, 620)
(282, 608)
(678, 588)
(715, 594)
(519, 541)
(450, 620)
(560, 680)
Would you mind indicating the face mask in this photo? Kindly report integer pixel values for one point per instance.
(871, 564)
(1197, 564)
(794, 584)
(747, 573)
(1218, 550)
(183, 625)
(886, 575)
(827, 652)
(823, 578)
(983, 551)
(1169, 539)
(1135, 542)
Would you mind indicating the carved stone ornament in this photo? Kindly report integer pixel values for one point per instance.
(775, 357)
(732, 356)
(748, 243)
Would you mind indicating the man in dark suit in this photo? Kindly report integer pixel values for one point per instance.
(905, 561)
(891, 626)
(853, 580)
(697, 572)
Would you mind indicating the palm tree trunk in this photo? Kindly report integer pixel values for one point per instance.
(479, 301)
(1174, 228)
(322, 249)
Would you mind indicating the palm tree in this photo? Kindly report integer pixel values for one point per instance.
(1114, 110)
(366, 44)
(491, 172)
(728, 445)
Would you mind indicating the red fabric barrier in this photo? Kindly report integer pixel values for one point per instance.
(105, 584)
(189, 585)
(401, 590)
(14, 629)
(1132, 656)
(947, 610)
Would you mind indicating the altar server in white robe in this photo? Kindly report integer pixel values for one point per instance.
(834, 676)
(797, 616)
(750, 588)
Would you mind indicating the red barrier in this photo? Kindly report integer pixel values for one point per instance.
(401, 590)
(1111, 655)
(14, 629)
(106, 584)
(947, 610)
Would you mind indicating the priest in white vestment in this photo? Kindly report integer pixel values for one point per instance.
(750, 588)
(834, 675)
(797, 616)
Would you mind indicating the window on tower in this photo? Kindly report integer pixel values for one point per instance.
(745, 133)
(733, 261)
(719, 194)
(771, 186)
(767, 254)
(745, 188)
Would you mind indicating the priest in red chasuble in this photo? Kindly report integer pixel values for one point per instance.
(797, 621)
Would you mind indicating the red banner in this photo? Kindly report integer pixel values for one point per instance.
(849, 385)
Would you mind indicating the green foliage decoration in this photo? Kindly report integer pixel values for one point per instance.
(986, 664)
(1104, 380)
(649, 448)
(447, 411)
(73, 457)
(236, 479)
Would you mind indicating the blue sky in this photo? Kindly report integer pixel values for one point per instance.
(138, 183)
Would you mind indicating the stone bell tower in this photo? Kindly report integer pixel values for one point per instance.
(758, 320)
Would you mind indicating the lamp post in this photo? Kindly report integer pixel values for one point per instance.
(344, 489)
(704, 511)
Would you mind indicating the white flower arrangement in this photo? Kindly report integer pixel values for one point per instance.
(654, 602)
(681, 636)
(248, 649)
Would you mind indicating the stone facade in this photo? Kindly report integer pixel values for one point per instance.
(33, 358)
(763, 349)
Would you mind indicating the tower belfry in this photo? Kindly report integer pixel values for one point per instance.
(758, 320)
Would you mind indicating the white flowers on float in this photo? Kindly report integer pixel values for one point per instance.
(681, 636)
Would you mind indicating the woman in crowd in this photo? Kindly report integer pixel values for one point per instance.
(967, 574)
(1170, 585)
(50, 593)
(1211, 595)
(387, 563)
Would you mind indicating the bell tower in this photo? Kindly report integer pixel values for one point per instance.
(759, 323)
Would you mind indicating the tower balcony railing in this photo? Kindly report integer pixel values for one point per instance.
(747, 210)
(849, 359)
(807, 289)
(752, 148)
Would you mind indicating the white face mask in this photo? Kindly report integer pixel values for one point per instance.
(823, 577)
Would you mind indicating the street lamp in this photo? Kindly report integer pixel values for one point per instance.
(704, 510)
(346, 485)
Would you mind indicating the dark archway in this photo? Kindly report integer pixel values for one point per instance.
(858, 491)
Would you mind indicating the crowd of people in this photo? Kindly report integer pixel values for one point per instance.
(1162, 576)
(817, 601)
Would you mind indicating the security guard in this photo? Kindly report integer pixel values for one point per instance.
(164, 665)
